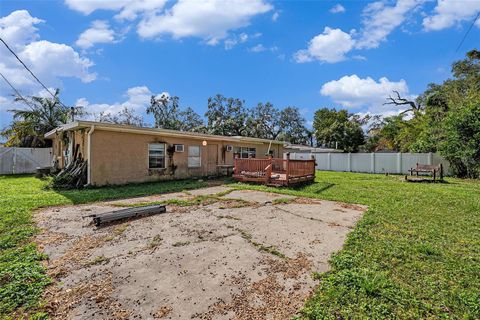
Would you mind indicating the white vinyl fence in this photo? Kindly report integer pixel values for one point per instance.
(24, 160)
(396, 163)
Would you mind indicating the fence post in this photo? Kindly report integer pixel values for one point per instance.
(329, 161)
(349, 162)
(430, 158)
(14, 160)
(372, 162)
(287, 171)
(399, 163)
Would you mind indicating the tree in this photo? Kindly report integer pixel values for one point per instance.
(191, 121)
(165, 110)
(226, 116)
(339, 129)
(42, 115)
(412, 106)
(125, 116)
(292, 126)
(168, 114)
(264, 121)
(445, 119)
(461, 146)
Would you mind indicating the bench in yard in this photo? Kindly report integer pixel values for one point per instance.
(421, 169)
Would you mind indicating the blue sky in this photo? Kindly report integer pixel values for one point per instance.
(108, 54)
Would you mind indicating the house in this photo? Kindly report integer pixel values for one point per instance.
(119, 154)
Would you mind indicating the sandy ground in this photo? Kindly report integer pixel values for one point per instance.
(228, 259)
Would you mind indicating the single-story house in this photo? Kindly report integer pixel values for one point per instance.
(119, 154)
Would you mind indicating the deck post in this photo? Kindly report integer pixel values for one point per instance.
(287, 170)
(269, 170)
(235, 158)
(314, 163)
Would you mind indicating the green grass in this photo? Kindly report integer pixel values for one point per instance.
(22, 278)
(414, 254)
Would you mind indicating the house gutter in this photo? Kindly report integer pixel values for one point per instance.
(89, 153)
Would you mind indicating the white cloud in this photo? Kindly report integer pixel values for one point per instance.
(137, 98)
(447, 13)
(128, 9)
(99, 32)
(338, 8)
(258, 48)
(354, 92)
(330, 46)
(48, 60)
(380, 20)
(207, 19)
(5, 103)
(275, 16)
(236, 39)
(18, 28)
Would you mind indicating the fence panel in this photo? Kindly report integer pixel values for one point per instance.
(397, 163)
(24, 160)
(386, 163)
(323, 161)
(361, 162)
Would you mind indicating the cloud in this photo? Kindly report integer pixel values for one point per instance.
(258, 48)
(48, 60)
(275, 16)
(128, 9)
(338, 8)
(99, 32)
(330, 46)
(448, 13)
(236, 39)
(137, 98)
(355, 92)
(380, 20)
(208, 19)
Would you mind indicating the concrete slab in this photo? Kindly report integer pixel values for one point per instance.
(256, 196)
(205, 262)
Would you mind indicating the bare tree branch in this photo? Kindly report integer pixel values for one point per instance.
(399, 101)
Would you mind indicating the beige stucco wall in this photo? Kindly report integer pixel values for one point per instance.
(119, 158)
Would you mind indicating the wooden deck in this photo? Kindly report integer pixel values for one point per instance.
(274, 171)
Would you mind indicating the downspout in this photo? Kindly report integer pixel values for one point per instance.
(89, 154)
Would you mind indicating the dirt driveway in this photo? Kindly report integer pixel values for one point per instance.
(229, 255)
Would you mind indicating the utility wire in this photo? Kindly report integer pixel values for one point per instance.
(33, 75)
(468, 31)
(19, 95)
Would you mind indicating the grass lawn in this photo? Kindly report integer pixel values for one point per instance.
(22, 278)
(415, 253)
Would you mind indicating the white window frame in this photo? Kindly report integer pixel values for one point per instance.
(179, 148)
(240, 151)
(190, 156)
(164, 156)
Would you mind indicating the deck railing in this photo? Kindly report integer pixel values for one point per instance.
(281, 171)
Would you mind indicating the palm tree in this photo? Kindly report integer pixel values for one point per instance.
(41, 116)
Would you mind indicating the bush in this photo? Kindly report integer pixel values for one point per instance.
(461, 146)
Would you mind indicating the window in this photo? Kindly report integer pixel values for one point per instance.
(194, 159)
(156, 156)
(245, 152)
(179, 148)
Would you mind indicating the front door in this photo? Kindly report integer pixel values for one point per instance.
(212, 159)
